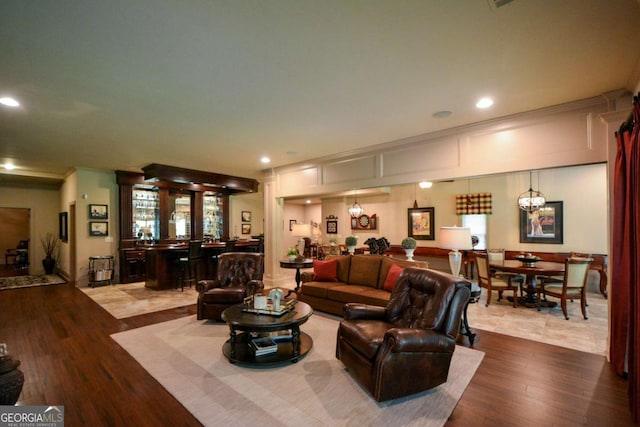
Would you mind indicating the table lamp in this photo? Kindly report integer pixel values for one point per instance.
(301, 231)
(455, 238)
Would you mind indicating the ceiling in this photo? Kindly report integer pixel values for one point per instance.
(215, 85)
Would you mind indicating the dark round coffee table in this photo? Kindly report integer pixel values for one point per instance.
(237, 349)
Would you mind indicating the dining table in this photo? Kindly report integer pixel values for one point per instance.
(531, 271)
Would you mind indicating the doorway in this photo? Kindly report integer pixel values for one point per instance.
(15, 226)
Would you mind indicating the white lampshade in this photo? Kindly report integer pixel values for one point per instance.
(301, 230)
(455, 238)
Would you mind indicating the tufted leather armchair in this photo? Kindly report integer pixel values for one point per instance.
(406, 347)
(239, 274)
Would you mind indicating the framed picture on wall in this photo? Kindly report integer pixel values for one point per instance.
(62, 226)
(99, 228)
(421, 223)
(246, 228)
(98, 212)
(291, 223)
(543, 225)
(332, 226)
(246, 216)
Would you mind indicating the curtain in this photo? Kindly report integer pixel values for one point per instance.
(469, 204)
(625, 267)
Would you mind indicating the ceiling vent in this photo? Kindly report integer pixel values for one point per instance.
(499, 3)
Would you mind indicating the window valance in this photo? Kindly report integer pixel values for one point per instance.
(471, 204)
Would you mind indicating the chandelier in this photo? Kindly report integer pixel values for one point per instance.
(531, 200)
(355, 210)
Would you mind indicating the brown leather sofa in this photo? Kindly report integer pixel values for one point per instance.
(239, 274)
(406, 347)
(360, 279)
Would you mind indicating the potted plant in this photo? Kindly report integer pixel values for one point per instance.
(51, 246)
(351, 242)
(292, 253)
(409, 245)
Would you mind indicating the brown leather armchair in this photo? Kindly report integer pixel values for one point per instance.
(239, 274)
(406, 347)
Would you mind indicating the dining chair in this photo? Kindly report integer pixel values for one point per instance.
(485, 280)
(496, 256)
(573, 285)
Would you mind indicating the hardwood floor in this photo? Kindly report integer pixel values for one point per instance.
(62, 339)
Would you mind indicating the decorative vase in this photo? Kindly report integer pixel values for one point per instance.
(292, 258)
(409, 254)
(49, 264)
(276, 296)
(11, 380)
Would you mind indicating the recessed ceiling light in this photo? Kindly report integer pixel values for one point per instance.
(9, 102)
(484, 103)
(265, 159)
(441, 114)
(308, 202)
(425, 184)
(9, 166)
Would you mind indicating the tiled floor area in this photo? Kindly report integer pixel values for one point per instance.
(133, 298)
(547, 325)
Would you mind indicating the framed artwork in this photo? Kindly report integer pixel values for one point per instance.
(291, 222)
(332, 226)
(543, 225)
(246, 216)
(364, 222)
(99, 228)
(98, 212)
(421, 223)
(62, 226)
(246, 228)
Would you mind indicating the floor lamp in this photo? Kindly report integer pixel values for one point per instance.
(455, 238)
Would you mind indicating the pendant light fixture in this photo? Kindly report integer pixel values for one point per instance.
(355, 210)
(531, 200)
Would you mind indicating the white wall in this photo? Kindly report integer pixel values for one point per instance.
(100, 188)
(582, 189)
(251, 202)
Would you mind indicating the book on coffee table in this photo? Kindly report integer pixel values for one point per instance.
(263, 345)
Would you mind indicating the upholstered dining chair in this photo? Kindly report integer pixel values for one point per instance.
(496, 256)
(238, 275)
(406, 347)
(573, 285)
(485, 280)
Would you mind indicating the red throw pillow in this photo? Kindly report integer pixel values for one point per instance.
(325, 271)
(392, 277)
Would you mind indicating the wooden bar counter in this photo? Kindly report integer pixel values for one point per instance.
(162, 261)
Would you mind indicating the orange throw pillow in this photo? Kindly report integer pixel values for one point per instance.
(325, 271)
(392, 277)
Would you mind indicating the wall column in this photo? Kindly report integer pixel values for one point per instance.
(273, 234)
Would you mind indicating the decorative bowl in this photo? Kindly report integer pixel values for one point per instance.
(528, 260)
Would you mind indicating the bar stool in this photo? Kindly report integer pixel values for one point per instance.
(188, 266)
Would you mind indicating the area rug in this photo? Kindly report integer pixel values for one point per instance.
(185, 356)
(30, 281)
(133, 299)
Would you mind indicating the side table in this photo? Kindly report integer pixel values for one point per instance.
(464, 326)
(304, 263)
